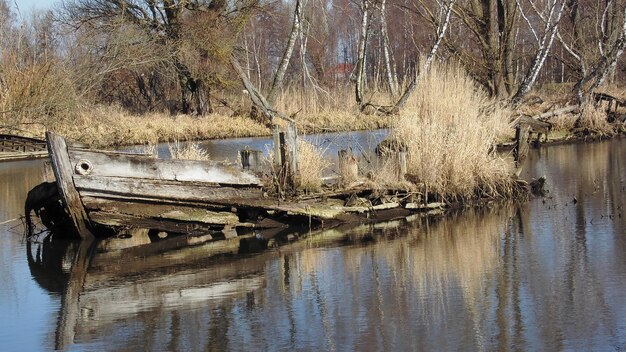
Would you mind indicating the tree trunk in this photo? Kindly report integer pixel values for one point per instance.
(362, 53)
(441, 32)
(391, 82)
(284, 62)
(545, 45)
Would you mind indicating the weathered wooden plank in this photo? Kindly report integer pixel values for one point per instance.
(162, 211)
(101, 163)
(157, 189)
(14, 156)
(62, 169)
(385, 206)
(117, 219)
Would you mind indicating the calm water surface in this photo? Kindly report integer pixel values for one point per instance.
(549, 274)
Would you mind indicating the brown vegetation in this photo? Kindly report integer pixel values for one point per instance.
(449, 140)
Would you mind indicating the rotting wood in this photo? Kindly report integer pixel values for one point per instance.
(144, 166)
(162, 211)
(251, 159)
(11, 143)
(62, 168)
(19, 148)
(160, 189)
(429, 206)
(521, 147)
(360, 210)
(113, 219)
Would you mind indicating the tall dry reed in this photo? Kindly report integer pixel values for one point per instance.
(594, 119)
(450, 129)
(188, 151)
(311, 165)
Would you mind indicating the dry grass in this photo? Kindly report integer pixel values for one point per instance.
(189, 151)
(330, 111)
(311, 165)
(34, 94)
(594, 119)
(110, 126)
(563, 122)
(449, 129)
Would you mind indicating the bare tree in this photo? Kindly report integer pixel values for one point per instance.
(490, 27)
(551, 21)
(161, 21)
(284, 62)
(610, 42)
(442, 28)
(360, 76)
(392, 81)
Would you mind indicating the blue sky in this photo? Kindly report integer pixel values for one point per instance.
(26, 6)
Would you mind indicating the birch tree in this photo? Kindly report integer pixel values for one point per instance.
(366, 17)
(551, 17)
(266, 105)
(610, 42)
(442, 28)
(296, 29)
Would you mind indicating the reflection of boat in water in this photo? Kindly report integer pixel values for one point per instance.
(140, 275)
(103, 282)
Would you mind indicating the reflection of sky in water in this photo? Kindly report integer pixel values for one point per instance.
(27, 311)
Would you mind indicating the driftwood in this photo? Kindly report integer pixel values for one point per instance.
(561, 111)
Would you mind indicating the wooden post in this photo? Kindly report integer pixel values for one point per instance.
(521, 143)
(278, 161)
(250, 159)
(63, 172)
(286, 156)
(348, 167)
(289, 152)
(402, 165)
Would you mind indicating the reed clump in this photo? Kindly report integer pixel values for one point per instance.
(188, 151)
(449, 131)
(593, 120)
(311, 166)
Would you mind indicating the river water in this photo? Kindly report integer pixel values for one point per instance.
(548, 274)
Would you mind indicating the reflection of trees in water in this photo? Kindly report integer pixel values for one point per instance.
(571, 249)
(413, 278)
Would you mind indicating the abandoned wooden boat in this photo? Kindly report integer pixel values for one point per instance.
(102, 191)
(20, 148)
(123, 189)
